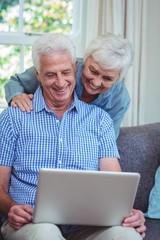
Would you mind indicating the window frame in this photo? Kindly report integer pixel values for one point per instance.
(23, 39)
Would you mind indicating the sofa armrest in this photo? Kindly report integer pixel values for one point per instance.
(139, 149)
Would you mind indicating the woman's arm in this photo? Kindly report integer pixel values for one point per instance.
(25, 82)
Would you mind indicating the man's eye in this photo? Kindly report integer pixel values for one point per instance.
(66, 73)
(50, 75)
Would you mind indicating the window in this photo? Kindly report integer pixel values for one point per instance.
(21, 21)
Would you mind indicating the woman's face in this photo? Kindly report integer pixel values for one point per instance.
(97, 80)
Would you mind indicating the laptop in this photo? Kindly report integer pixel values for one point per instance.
(79, 197)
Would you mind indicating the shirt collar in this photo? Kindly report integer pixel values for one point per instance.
(40, 104)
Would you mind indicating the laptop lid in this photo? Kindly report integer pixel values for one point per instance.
(77, 197)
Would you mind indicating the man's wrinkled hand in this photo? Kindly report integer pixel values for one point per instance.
(136, 220)
(20, 215)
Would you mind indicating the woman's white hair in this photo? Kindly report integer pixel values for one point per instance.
(51, 43)
(111, 52)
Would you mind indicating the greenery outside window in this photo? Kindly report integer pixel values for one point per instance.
(21, 22)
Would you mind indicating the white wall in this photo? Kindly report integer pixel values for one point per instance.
(152, 109)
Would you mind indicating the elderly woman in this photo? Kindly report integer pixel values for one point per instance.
(99, 78)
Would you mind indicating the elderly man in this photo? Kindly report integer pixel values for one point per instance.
(60, 132)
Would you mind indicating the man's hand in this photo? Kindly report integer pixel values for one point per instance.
(136, 220)
(20, 215)
(23, 101)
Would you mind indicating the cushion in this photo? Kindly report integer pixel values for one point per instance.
(153, 229)
(140, 152)
(154, 198)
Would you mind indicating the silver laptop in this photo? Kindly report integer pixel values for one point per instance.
(93, 198)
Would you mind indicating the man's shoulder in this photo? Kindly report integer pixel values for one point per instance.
(93, 109)
(12, 112)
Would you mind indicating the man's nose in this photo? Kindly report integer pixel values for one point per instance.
(60, 80)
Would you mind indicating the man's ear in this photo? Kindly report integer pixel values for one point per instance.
(36, 73)
(76, 64)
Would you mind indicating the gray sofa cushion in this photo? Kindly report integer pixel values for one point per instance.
(153, 229)
(139, 149)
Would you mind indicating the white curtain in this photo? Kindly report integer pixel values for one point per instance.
(128, 18)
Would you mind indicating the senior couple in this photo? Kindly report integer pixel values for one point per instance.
(57, 128)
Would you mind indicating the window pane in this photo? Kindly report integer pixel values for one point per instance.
(9, 65)
(28, 57)
(39, 16)
(48, 16)
(9, 13)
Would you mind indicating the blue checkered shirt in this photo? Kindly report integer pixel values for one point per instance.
(30, 141)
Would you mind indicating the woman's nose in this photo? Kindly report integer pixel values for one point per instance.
(97, 81)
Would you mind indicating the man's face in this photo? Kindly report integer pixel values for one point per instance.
(97, 80)
(57, 77)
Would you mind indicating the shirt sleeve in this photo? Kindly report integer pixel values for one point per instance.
(118, 118)
(107, 144)
(120, 102)
(7, 139)
(25, 82)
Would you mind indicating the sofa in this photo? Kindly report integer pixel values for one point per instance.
(139, 149)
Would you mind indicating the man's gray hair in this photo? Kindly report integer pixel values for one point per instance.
(111, 52)
(51, 43)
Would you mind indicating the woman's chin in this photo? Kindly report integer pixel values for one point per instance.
(92, 91)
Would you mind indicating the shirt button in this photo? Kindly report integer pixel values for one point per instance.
(60, 140)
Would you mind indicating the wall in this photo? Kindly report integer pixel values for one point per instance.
(152, 109)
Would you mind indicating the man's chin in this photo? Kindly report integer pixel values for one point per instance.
(61, 95)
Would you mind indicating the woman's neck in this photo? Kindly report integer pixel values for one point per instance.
(88, 98)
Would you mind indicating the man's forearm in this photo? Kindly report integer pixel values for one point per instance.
(5, 202)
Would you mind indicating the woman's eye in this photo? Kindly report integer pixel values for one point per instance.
(93, 72)
(108, 79)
